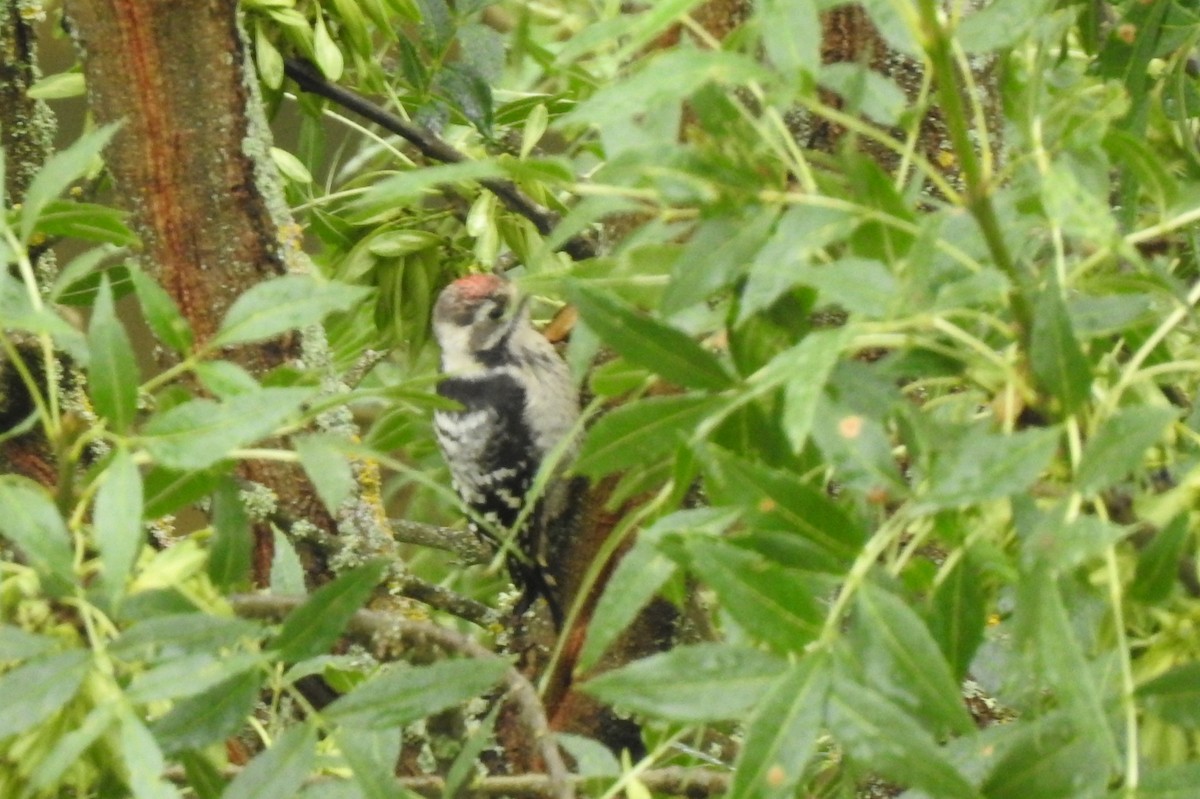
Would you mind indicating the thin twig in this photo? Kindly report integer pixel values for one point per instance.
(387, 631)
(308, 79)
(449, 601)
(464, 544)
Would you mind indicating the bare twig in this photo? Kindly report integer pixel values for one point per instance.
(310, 80)
(392, 632)
(464, 544)
(449, 601)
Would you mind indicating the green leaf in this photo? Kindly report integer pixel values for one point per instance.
(201, 432)
(644, 341)
(59, 171)
(282, 304)
(781, 736)
(403, 694)
(769, 602)
(312, 628)
(71, 746)
(202, 776)
(791, 34)
(981, 466)
(279, 771)
(37, 690)
(1158, 564)
(112, 373)
(810, 363)
(328, 56)
(1118, 446)
(144, 762)
(777, 500)
(701, 682)
(1055, 356)
(1167, 782)
(184, 632)
(405, 188)
(86, 221)
(1175, 695)
(208, 716)
(639, 432)
(168, 490)
(31, 521)
(958, 615)
(865, 91)
(60, 86)
(161, 313)
(117, 520)
(327, 467)
(639, 575)
(229, 555)
(890, 743)
(189, 674)
(17, 644)
(287, 573)
(371, 755)
(901, 660)
(1046, 759)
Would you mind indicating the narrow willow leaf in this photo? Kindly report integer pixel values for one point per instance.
(1047, 632)
(37, 690)
(144, 762)
(1175, 695)
(781, 736)
(639, 575)
(17, 644)
(639, 432)
(184, 632)
(201, 432)
(664, 350)
(396, 191)
(878, 733)
(901, 660)
(980, 466)
(160, 312)
(791, 34)
(1055, 356)
(371, 755)
(117, 520)
(85, 221)
(282, 304)
(958, 615)
(59, 171)
(769, 602)
(327, 467)
(776, 500)
(189, 675)
(229, 553)
(1167, 782)
(279, 771)
(702, 682)
(168, 490)
(1158, 564)
(202, 776)
(112, 371)
(312, 628)
(1047, 758)
(70, 747)
(209, 716)
(1117, 447)
(404, 694)
(287, 573)
(31, 521)
(811, 362)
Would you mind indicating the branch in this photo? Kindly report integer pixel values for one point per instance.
(449, 601)
(310, 80)
(464, 544)
(393, 632)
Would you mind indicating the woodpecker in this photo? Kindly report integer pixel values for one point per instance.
(518, 403)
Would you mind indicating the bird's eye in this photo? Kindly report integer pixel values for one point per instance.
(496, 312)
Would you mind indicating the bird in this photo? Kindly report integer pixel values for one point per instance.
(517, 404)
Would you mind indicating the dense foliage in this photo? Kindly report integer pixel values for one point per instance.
(943, 412)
